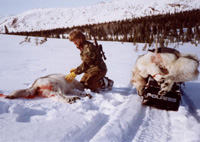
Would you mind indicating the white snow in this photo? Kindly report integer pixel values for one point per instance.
(114, 116)
(52, 18)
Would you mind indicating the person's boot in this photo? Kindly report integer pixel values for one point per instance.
(106, 84)
(110, 84)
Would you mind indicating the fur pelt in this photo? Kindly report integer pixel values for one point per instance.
(52, 85)
(166, 68)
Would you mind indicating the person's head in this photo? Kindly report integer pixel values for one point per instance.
(77, 37)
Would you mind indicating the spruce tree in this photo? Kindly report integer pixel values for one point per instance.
(135, 38)
(6, 30)
(189, 33)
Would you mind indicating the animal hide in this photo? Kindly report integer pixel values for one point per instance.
(52, 85)
(165, 68)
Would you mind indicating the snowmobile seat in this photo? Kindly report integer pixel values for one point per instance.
(167, 50)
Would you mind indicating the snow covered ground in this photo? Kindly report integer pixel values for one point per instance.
(116, 116)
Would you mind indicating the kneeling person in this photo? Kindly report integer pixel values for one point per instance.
(92, 65)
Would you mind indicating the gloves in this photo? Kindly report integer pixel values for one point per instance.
(72, 70)
(70, 77)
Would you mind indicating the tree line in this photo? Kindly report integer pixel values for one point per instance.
(178, 27)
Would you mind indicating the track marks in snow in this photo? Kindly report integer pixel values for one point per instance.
(122, 123)
(112, 116)
(97, 112)
(135, 124)
(88, 129)
(155, 127)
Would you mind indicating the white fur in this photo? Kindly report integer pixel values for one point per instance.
(54, 84)
(181, 69)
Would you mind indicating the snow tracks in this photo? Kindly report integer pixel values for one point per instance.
(129, 121)
(133, 122)
(115, 116)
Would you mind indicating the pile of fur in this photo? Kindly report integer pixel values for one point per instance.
(166, 68)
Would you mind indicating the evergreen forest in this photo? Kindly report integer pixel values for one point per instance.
(176, 27)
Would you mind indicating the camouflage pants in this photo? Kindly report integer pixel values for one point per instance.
(91, 79)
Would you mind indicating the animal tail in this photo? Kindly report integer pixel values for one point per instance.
(191, 56)
(25, 93)
(194, 58)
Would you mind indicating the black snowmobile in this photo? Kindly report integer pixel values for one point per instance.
(169, 101)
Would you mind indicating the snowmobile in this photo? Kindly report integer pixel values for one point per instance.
(169, 101)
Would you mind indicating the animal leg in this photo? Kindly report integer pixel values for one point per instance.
(166, 86)
(67, 99)
(138, 80)
(79, 93)
(72, 99)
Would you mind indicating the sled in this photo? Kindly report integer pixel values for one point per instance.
(169, 101)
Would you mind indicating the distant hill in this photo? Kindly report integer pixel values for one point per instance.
(54, 18)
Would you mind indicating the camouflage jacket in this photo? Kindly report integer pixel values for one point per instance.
(90, 58)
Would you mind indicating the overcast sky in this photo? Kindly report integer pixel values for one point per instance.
(9, 7)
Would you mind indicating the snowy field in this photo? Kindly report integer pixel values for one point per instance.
(115, 116)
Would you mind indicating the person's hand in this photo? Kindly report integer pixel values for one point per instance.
(70, 77)
(72, 70)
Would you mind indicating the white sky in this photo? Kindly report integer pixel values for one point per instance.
(9, 7)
